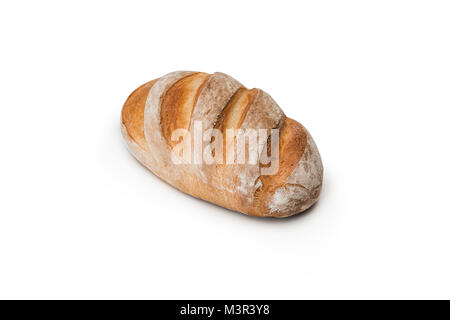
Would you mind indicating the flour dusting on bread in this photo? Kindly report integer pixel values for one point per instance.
(218, 101)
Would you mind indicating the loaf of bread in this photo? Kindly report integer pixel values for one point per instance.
(158, 123)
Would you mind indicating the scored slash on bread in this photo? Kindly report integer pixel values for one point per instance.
(177, 100)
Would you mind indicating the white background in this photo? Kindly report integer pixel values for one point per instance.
(80, 218)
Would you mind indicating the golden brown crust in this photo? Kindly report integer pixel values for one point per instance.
(234, 113)
(178, 103)
(175, 100)
(133, 113)
(292, 144)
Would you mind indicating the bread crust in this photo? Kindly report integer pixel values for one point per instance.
(179, 99)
